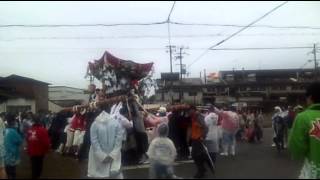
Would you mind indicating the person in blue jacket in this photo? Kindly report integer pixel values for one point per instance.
(12, 145)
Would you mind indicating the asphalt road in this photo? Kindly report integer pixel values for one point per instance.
(251, 161)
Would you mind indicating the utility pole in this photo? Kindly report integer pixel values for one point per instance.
(315, 62)
(205, 76)
(171, 50)
(180, 57)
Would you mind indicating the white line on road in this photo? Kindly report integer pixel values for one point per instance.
(144, 166)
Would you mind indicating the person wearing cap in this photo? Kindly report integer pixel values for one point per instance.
(38, 146)
(162, 154)
(162, 112)
(304, 139)
(12, 144)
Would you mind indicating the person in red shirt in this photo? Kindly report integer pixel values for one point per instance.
(38, 145)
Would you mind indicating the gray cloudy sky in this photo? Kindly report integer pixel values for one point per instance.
(63, 61)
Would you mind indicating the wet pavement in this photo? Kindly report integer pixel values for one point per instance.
(252, 161)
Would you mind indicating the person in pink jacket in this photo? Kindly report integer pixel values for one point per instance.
(230, 125)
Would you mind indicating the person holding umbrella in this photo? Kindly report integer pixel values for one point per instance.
(212, 139)
(199, 131)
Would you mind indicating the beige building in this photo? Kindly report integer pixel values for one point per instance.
(63, 96)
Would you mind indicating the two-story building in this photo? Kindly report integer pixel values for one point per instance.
(259, 88)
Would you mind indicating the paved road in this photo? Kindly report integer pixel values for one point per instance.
(252, 161)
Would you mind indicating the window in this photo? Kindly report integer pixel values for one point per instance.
(192, 94)
(252, 77)
(243, 88)
(229, 77)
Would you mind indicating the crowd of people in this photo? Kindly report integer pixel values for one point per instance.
(104, 136)
(19, 130)
(176, 135)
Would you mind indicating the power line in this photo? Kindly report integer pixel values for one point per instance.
(157, 48)
(240, 26)
(79, 25)
(151, 24)
(152, 36)
(237, 32)
(169, 35)
(262, 48)
(169, 16)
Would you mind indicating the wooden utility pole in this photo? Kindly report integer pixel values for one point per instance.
(205, 76)
(180, 56)
(315, 62)
(171, 50)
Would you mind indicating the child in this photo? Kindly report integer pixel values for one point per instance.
(162, 154)
(38, 146)
(12, 144)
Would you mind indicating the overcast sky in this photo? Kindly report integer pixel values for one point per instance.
(63, 61)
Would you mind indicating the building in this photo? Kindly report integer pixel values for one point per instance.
(256, 88)
(190, 90)
(63, 96)
(18, 94)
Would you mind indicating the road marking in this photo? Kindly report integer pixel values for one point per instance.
(145, 166)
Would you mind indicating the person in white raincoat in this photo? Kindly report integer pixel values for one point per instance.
(117, 113)
(105, 151)
(212, 139)
(162, 154)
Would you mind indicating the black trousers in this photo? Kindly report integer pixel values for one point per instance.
(142, 142)
(85, 147)
(36, 165)
(199, 156)
(11, 172)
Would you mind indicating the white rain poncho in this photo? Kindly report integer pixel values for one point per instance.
(212, 139)
(106, 142)
(125, 123)
(162, 149)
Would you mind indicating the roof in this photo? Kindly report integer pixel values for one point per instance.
(21, 78)
(268, 72)
(189, 82)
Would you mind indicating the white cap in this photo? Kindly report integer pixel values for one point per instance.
(162, 109)
(278, 108)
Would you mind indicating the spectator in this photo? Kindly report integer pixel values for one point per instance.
(162, 154)
(12, 144)
(304, 140)
(259, 126)
(230, 125)
(212, 139)
(27, 123)
(38, 146)
(2, 129)
(279, 128)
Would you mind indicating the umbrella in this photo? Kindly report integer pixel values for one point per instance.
(209, 160)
